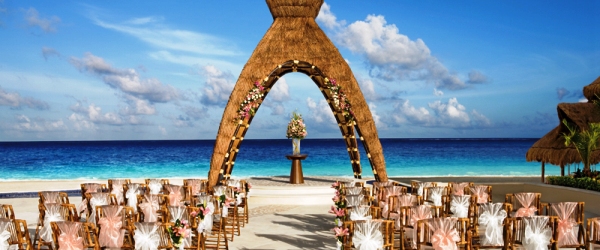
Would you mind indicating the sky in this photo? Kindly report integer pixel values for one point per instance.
(158, 70)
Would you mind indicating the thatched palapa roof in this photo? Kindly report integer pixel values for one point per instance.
(294, 35)
(592, 91)
(551, 147)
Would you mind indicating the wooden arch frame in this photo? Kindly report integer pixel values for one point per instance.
(295, 35)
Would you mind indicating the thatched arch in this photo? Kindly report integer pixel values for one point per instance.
(296, 39)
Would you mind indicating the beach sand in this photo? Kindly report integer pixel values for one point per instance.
(301, 222)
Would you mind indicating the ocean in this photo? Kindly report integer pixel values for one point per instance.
(326, 157)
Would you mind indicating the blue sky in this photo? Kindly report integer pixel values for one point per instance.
(133, 70)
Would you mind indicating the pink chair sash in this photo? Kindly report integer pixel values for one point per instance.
(406, 200)
(117, 190)
(458, 188)
(481, 192)
(50, 197)
(525, 199)
(150, 208)
(418, 213)
(69, 238)
(175, 195)
(444, 235)
(195, 185)
(567, 226)
(111, 234)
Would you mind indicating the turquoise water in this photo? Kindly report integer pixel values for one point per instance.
(327, 157)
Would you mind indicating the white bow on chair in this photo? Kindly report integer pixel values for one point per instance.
(52, 214)
(354, 190)
(5, 234)
(98, 199)
(421, 186)
(491, 218)
(220, 190)
(354, 200)
(436, 195)
(146, 237)
(117, 190)
(155, 186)
(360, 213)
(367, 235)
(131, 195)
(567, 227)
(459, 206)
(537, 233)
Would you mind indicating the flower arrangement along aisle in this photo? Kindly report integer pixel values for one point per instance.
(296, 130)
(178, 232)
(340, 215)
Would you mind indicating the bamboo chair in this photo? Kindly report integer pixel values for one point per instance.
(85, 230)
(131, 192)
(416, 185)
(53, 197)
(19, 235)
(592, 233)
(379, 185)
(217, 239)
(576, 216)
(430, 194)
(516, 205)
(98, 199)
(408, 219)
(48, 212)
(427, 228)
(165, 238)
(494, 213)
(459, 188)
(115, 186)
(244, 214)
(517, 236)
(483, 193)
(162, 182)
(6, 211)
(159, 202)
(69, 212)
(92, 187)
(127, 220)
(386, 228)
(176, 194)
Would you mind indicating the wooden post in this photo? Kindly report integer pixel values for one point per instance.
(543, 171)
(562, 169)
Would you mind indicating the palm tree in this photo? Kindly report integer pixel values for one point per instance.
(584, 141)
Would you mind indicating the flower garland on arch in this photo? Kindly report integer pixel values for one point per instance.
(252, 101)
(340, 100)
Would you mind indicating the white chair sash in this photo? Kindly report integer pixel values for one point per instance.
(459, 206)
(354, 190)
(131, 195)
(195, 185)
(146, 236)
(367, 235)
(354, 200)
(233, 183)
(567, 226)
(117, 190)
(175, 194)
(220, 190)
(205, 226)
(360, 213)
(155, 186)
(418, 213)
(150, 208)
(346, 184)
(98, 199)
(481, 192)
(392, 191)
(435, 195)
(111, 234)
(4, 233)
(406, 200)
(52, 214)
(525, 199)
(51, 197)
(69, 238)
(444, 235)
(537, 233)
(491, 218)
(459, 188)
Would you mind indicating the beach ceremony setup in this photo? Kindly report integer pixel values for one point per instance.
(151, 195)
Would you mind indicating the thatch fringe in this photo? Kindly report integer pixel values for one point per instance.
(592, 91)
(294, 35)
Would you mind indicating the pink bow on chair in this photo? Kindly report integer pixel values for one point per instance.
(150, 208)
(525, 199)
(444, 235)
(418, 213)
(69, 238)
(175, 196)
(110, 230)
(566, 233)
(481, 192)
(459, 188)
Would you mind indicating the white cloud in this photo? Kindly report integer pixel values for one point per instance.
(476, 77)
(437, 92)
(449, 114)
(172, 39)
(280, 91)
(94, 114)
(163, 131)
(320, 112)
(48, 52)
(80, 122)
(391, 55)
(138, 106)
(48, 25)
(126, 80)
(218, 86)
(368, 89)
(378, 121)
(145, 20)
(15, 100)
(327, 18)
(562, 92)
(25, 124)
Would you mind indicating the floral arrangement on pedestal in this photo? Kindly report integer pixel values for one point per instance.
(296, 130)
(178, 232)
(340, 215)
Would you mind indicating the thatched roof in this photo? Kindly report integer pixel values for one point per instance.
(551, 147)
(592, 91)
(294, 35)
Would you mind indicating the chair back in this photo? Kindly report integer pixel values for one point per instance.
(483, 193)
(155, 186)
(442, 232)
(459, 188)
(14, 232)
(74, 235)
(525, 204)
(92, 188)
(115, 186)
(151, 235)
(534, 232)
(176, 194)
(6, 211)
(570, 227)
(434, 194)
(417, 187)
(593, 231)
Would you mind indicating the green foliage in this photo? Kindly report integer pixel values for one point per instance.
(568, 181)
(584, 141)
